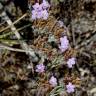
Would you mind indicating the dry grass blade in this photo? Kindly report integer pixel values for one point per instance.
(14, 22)
(12, 49)
(14, 30)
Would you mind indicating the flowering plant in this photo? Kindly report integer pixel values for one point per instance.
(40, 11)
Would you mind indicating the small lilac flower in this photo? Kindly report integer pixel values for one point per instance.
(45, 14)
(40, 10)
(64, 43)
(70, 87)
(39, 15)
(34, 14)
(45, 4)
(37, 7)
(53, 81)
(71, 62)
(40, 68)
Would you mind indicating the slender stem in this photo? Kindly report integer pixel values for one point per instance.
(14, 23)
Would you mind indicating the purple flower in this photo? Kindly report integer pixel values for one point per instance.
(39, 15)
(34, 14)
(40, 10)
(71, 62)
(37, 7)
(40, 68)
(53, 81)
(70, 87)
(45, 4)
(64, 43)
(45, 14)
